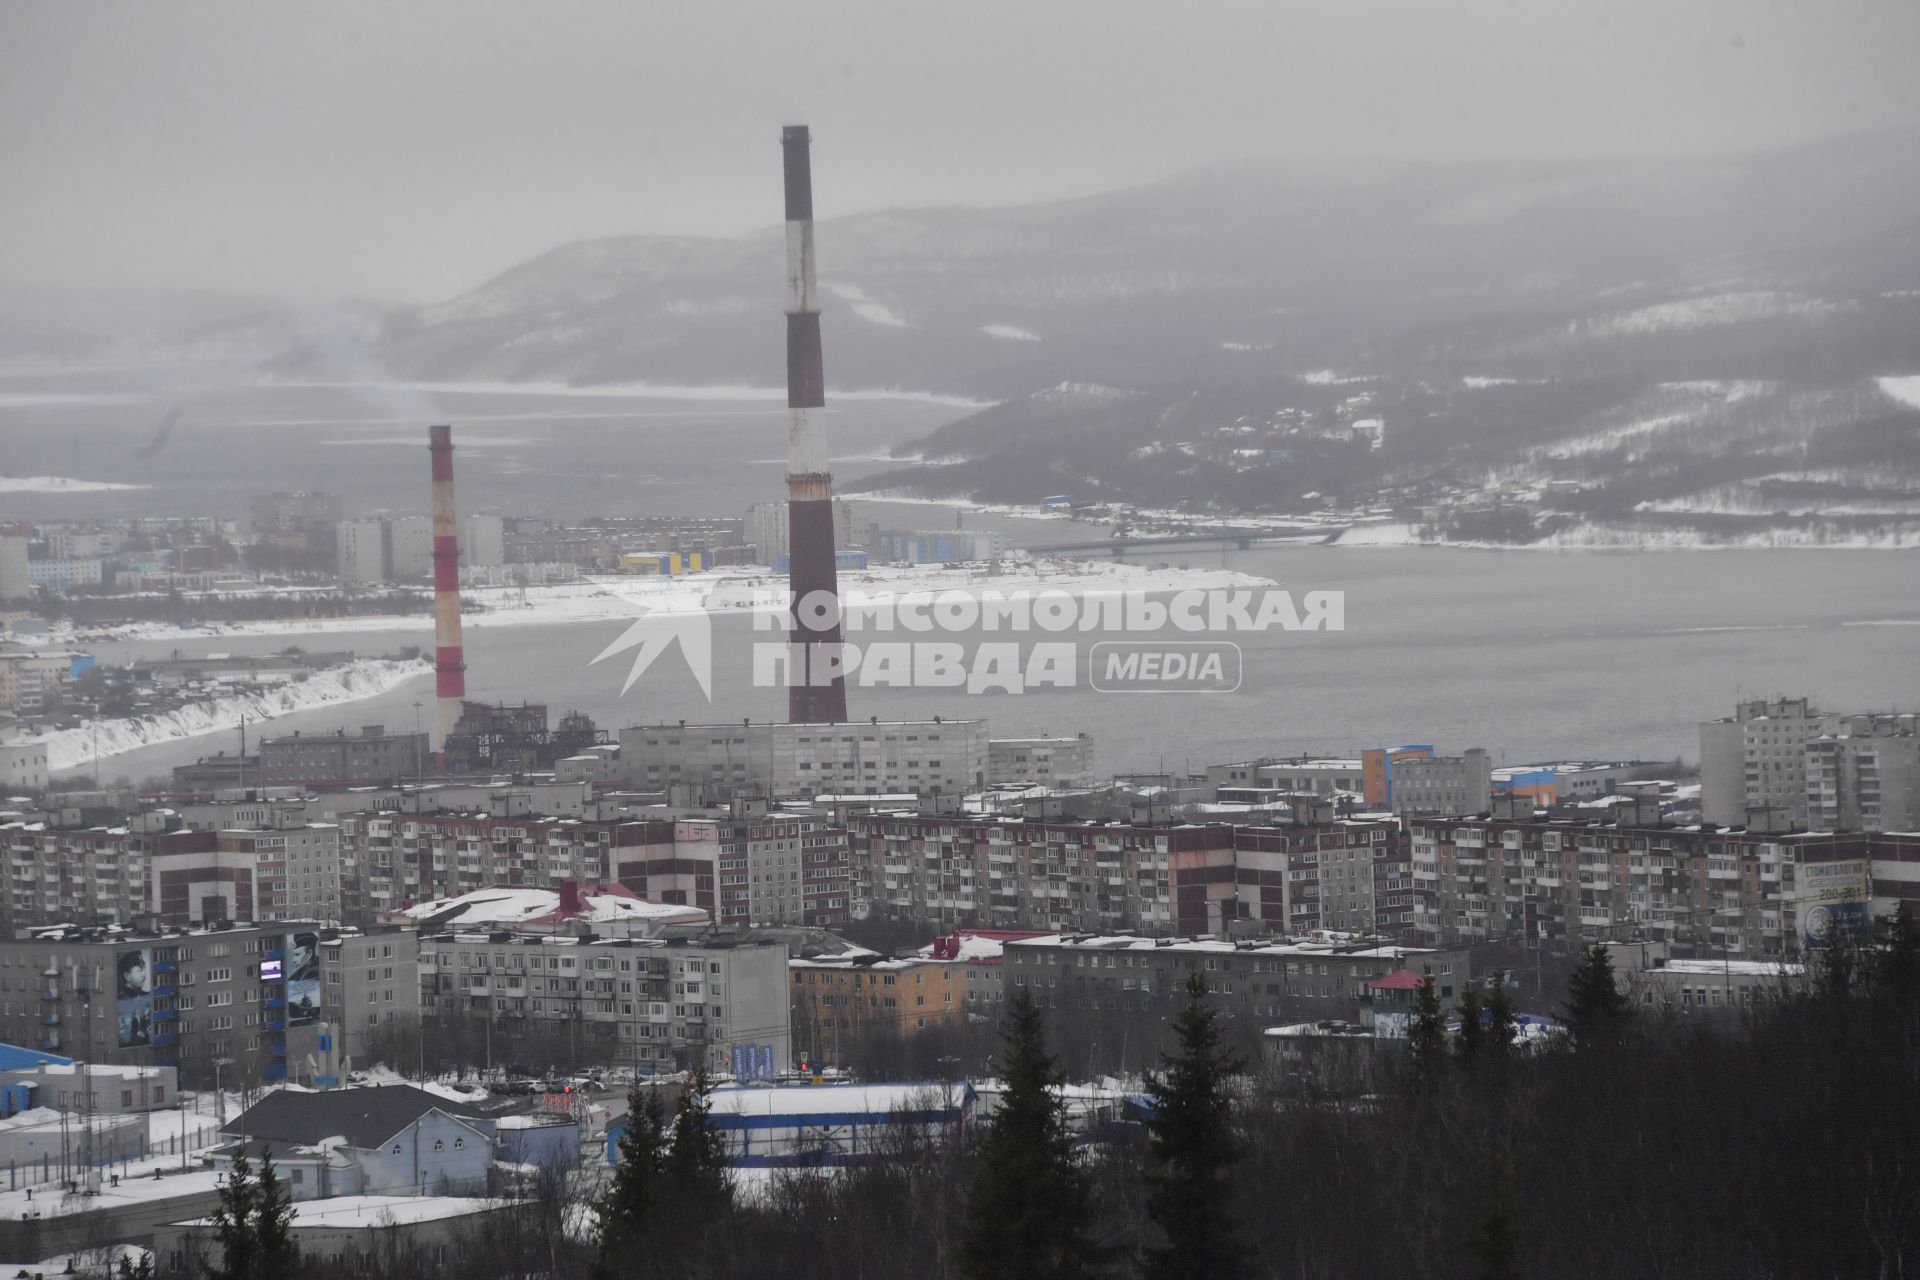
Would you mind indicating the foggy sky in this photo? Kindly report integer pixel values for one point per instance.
(406, 149)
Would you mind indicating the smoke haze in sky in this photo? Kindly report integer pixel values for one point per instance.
(407, 151)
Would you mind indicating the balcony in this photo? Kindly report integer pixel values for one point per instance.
(163, 991)
(50, 1019)
(275, 1027)
(161, 1040)
(165, 1015)
(163, 966)
(49, 995)
(275, 1002)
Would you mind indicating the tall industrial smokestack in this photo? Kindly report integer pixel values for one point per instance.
(812, 576)
(449, 659)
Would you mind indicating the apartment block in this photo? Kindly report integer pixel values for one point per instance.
(1253, 981)
(300, 871)
(715, 762)
(774, 868)
(254, 999)
(1562, 882)
(1040, 761)
(835, 1001)
(1758, 759)
(394, 859)
(660, 1004)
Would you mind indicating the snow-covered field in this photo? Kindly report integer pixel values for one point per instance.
(622, 599)
(60, 484)
(366, 678)
(1605, 537)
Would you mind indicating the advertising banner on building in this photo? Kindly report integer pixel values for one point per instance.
(1831, 899)
(133, 996)
(303, 978)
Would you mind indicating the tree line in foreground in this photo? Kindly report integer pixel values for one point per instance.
(1782, 1144)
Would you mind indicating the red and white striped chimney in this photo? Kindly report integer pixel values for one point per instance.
(816, 694)
(449, 658)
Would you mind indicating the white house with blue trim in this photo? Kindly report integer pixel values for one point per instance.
(814, 1125)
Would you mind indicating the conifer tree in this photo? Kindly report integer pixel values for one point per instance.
(1190, 1194)
(1898, 963)
(1470, 1042)
(1030, 1209)
(1427, 1028)
(1596, 1009)
(233, 1224)
(696, 1161)
(630, 1209)
(1501, 1023)
(253, 1223)
(273, 1223)
(1495, 1246)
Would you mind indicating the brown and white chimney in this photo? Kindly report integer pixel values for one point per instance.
(816, 693)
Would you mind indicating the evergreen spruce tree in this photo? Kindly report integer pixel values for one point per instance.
(1030, 1209)
(1596, 1009)
(630, 1209)
(278, 1255)
(1471, 1041)
(1897, 975)
(253, 1223)
(1427, 1028)
(233, 1225)
(1501, 1023)
(1190, 1194)
(1495, 1246)
(696, 1162)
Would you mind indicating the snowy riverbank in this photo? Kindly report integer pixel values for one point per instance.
(621, 599)
(366, 678)
(1604, 537)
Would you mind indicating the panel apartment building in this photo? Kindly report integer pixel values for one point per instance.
(661, 1005)
(1260, 981)
(777, 868)
(716, 762)
(1728, 891)
(1852, 772)
(1010, 873)
(255, 998)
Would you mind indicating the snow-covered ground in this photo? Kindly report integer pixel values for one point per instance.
(1605, 537)
(365, 678)
(867, 308)
(1011, 332)
(60, 484)
(1904, 389)
(621, 599)
(638, 391)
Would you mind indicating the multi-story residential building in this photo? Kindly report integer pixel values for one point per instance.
(16, 580)
(74, 874)
(1046, 761)
(715, 762)
(371, 757)
(291, 514)
(395, 858)
(300, 871)
(1254, 980)
(765, 527)
(23, 766)
(362, 548)
(775, 868)
(1013, 873)
(1865, 781)
(660, 1004)
(66, 573)
(1758, 758)
(252, 999)
(31, 680)
(1556, 882)
(836, 1001)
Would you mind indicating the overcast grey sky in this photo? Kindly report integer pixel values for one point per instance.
(406, 149)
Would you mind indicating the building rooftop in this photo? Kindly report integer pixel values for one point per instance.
(514, 906)
(1213, 946)
(364, 1117)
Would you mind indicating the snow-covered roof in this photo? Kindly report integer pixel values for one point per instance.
(1732, 968)
(521, 906)
(837, 1099)
(1128, 942)
(372, 1212)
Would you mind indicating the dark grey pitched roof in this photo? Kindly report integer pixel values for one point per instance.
(365, 1117)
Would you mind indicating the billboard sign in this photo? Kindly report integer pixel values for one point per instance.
(763, 1061)
(1831, 900)
(303, 978)
(133, 996)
